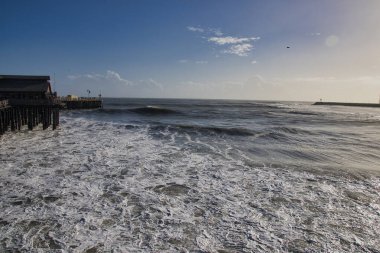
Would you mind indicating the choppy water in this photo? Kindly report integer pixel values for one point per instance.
(194, 176)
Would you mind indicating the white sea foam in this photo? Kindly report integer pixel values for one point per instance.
(97, 186)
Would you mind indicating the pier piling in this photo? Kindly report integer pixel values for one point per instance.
(29, 113)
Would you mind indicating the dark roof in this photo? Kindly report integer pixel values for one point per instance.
(13, 83)
(24, 77)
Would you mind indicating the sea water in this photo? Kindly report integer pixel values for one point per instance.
(161, 175)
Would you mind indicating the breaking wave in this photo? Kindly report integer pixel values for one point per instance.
(232, 183)
(206, 130)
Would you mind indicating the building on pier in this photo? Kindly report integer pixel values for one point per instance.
(27, 100)
(17, 87)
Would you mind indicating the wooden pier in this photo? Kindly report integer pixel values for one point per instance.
(27, 101)
(30, 113)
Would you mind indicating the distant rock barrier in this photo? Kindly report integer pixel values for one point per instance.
(347, 104)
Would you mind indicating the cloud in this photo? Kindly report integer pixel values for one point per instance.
(239, 49)
(253, 62)
(114, 76)
(301, 88)
(88, 76)
(149, 84)
(230, 40)
(332, 40)
(217, 31)
(108, 76)
(237, 46)
(113, 84)
(195, 29)
(240, 46)
(184, 61)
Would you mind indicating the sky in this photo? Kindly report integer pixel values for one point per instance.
(297, 50)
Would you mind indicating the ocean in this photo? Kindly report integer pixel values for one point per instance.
(169, 175)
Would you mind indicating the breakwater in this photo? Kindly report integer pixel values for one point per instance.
(348, 104)
(15, 114)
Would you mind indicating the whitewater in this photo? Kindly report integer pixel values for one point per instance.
(169, 175)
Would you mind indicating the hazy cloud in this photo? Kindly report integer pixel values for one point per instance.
(195, 29)
(332, 40)
(183, 61)
(108, 76)
(113, 84)
(230, 40)
(239, 49)
(216, 32)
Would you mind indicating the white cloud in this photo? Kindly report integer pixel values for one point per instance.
(240, 46)
(112, 75)
(253, 62)
(217, 31)
(195, 29)
(237, 46)
(239, 49)
(230, 40)
(183, 61)
(201, 62)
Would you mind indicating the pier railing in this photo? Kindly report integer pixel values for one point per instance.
(81, 103)
(89, 99)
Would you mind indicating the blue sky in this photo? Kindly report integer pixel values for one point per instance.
(198, 49)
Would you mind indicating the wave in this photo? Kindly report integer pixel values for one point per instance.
(292, 130)
(153, 110)
(148, 110)
(303, 113)
(208, 130)
(277, 133)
